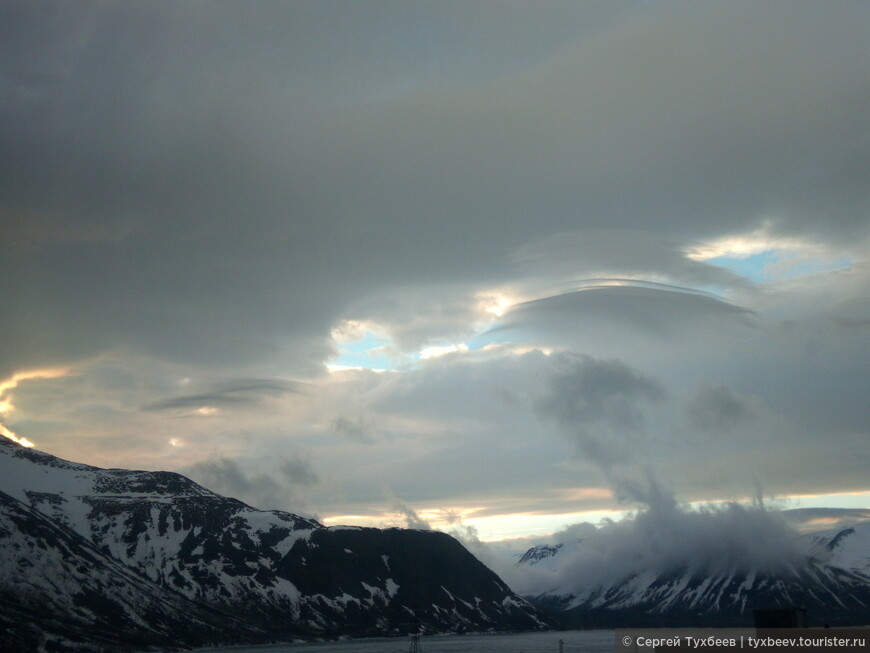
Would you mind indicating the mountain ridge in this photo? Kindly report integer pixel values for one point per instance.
(832, 581)
(241, 574)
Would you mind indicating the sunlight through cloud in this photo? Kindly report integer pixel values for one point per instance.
(6, 388)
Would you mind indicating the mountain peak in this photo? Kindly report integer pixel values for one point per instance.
(279, 575)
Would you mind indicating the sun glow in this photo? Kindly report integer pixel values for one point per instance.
(745, 245)
(761, 255)
(436, 351)
(6, 388)
(497, 302)
(24, 442)
(12, 382)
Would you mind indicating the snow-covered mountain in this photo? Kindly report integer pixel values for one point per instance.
(58, 591)
(132, 558)
(542, 554)
(846, 548)
(832, 581)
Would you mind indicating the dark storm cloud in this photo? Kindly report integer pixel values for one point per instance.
(204, 128)
(273, 165)
(682, 117)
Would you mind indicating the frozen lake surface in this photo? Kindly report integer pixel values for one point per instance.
(575, 641)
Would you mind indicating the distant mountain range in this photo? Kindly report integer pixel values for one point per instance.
(112, 559)
(832, 582)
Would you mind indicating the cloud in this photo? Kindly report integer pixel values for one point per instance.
(276, 487)
(574, 532)
(10, 384)
(424, 314)
(412, 519)
(626, 311)
(603, 253)
(356, 429)
(810, 520)
(666, 539)
(717, 408)
(600, 403)
(229, 394)
(33, 231)
(702, 542)
(637, 122)
(299, 471)
(226, 475)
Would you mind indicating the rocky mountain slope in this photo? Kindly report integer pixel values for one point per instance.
(129, 558)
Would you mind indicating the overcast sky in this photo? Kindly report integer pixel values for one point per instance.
(446, 262)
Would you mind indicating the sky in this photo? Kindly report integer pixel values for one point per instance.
(459, 265)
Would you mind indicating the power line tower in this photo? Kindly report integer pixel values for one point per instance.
(416, 647)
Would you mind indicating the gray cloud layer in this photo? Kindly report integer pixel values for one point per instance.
(208, 186)
(199, 192)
